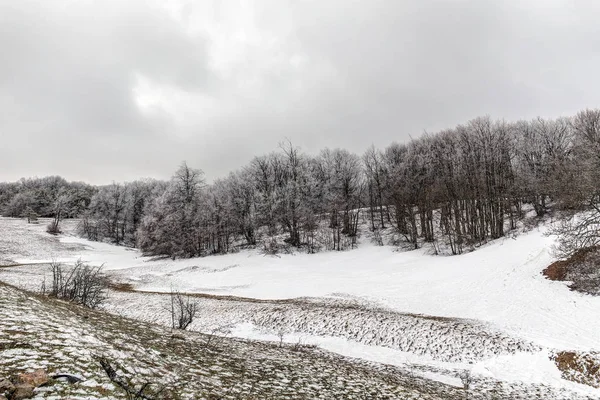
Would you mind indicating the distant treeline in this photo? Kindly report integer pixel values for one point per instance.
(460, 187)
(40, 196)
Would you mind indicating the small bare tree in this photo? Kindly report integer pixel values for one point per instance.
(132, 392)
(577, 232)
(183, 310)
(281, 335)
(81, 284)
(217, 335)
(60, 208)
(467, 379)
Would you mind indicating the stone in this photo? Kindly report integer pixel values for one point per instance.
(22, 391)
(6, 386)
(35, 379)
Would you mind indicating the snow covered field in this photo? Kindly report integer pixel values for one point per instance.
(496, 296)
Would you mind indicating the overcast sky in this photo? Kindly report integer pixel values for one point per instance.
(115, 90)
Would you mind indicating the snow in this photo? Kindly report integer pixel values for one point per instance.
(500, 283)
(521, 367)
(350, 349)
(533, 368)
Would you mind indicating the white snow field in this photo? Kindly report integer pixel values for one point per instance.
(500, 283)
(493, 298)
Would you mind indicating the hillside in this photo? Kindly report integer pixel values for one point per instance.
(60, 338)
(425, 318)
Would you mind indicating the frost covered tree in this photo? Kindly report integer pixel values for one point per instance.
(40, 194)
(375, 173)
(542, 162)
(581, 231)
(116, 211)
(171, 224)
(243, 198)
(457, 188)
(341, 177)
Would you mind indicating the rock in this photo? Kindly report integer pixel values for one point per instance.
(2, 397)
(35, 379)
(22, 391)
(6, 386)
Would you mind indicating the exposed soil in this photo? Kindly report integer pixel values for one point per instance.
(582, 270)
(579, 367)
(558, 270)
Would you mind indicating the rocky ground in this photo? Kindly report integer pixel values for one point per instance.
(60, 338)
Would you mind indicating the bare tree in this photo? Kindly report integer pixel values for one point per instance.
(81, 284)
(452, 190)
(375, 171)
(60, 209)
(183, 310)
(467, 379)
(142, 392)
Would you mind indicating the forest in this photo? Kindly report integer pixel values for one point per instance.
(457, 189)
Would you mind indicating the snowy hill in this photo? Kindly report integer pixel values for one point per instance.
(489, 311)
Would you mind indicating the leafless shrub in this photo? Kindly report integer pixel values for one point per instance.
(270, 248)
(377, 238)
(183, 310)
(144, 391)
(467, 379)
(81, 284)
(300, 345)
(217, 335)
(575, 233)
(586, 277)
(582, 269)
(281, 335)
(53, 227)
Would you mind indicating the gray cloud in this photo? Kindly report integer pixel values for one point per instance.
(116, 90)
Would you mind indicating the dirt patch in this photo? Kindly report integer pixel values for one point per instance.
(579, 367)
(121, 287)
(582, 269)
(558, 270)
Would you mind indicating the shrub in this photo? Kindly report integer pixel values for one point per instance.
(183, 310)
(82, 284)
(53, 228)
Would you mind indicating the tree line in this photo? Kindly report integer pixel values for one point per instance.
(456, 189)
(45, 197)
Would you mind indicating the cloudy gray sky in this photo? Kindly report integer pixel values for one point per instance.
(118, 89)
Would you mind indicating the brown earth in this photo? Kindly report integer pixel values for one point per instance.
(579, 367)
(558, 270)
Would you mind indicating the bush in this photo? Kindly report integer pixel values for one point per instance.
(53, 228)
(82, 284)
(183, 310)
